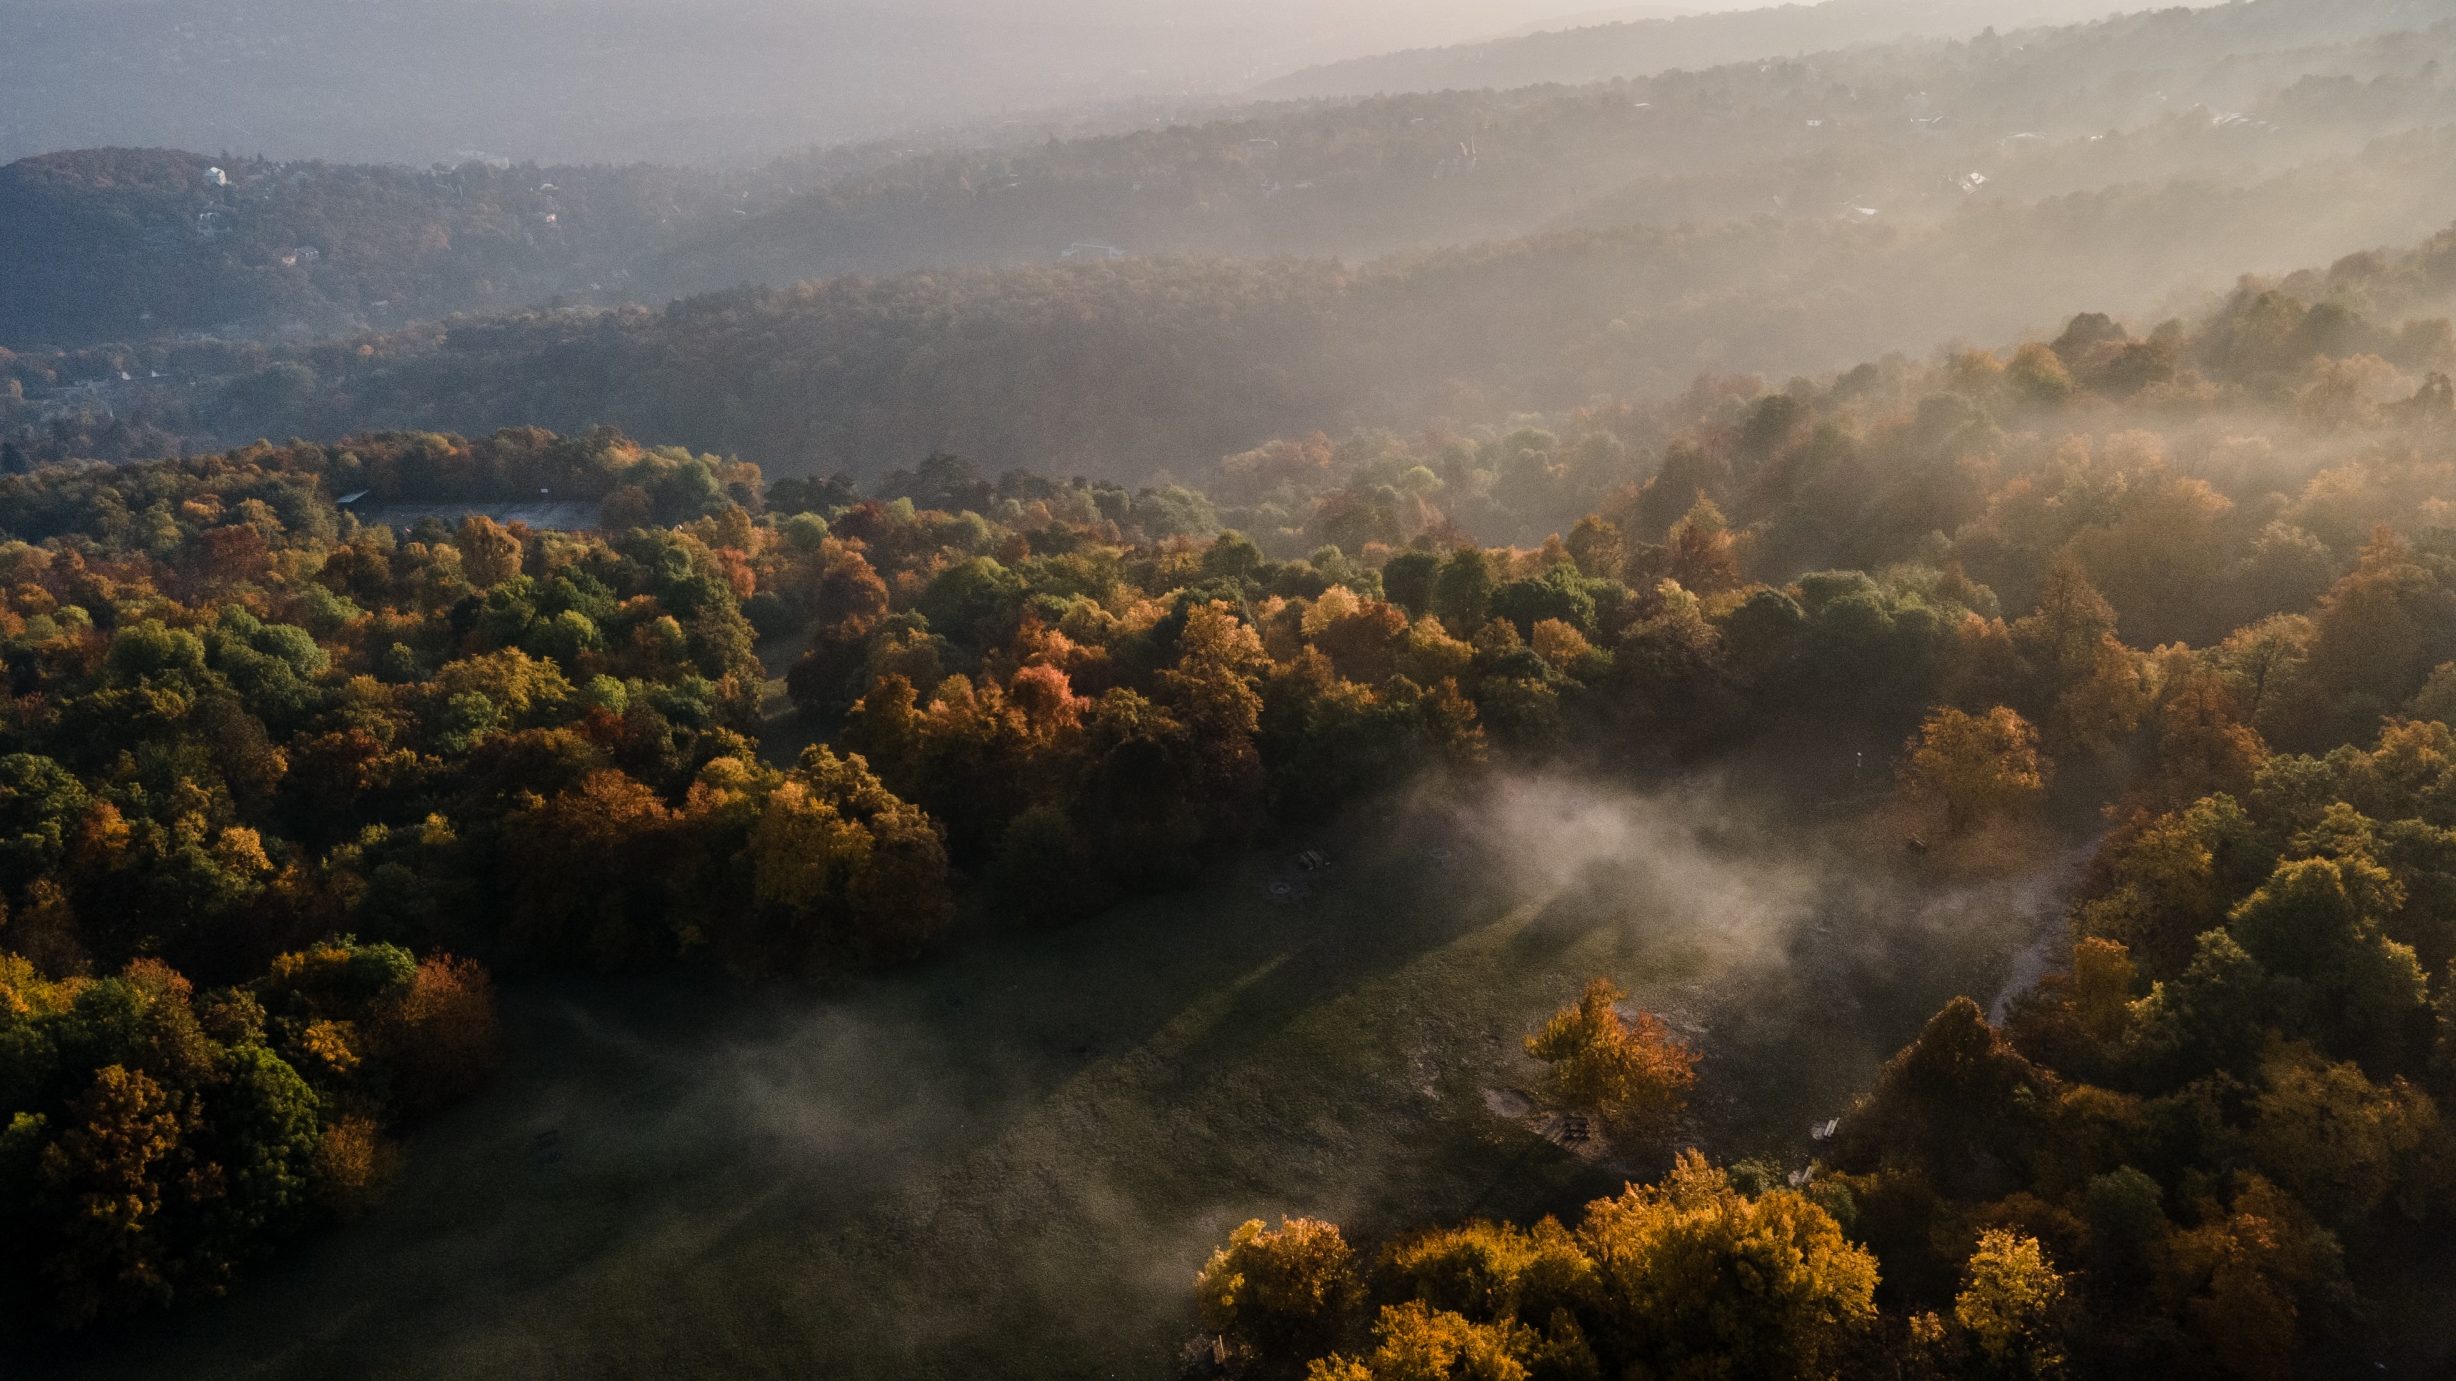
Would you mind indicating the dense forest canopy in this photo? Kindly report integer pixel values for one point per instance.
(261, 756)
(1381, 718)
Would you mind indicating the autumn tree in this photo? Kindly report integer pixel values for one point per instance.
(443, 1036)
(1633, 1074)
(1697, 1279)
(2090, 686)
(1957, 1102)
(119, 1173)
(1976, 766)
(1279, 1295)
(2012, 1307)
(490, 553)
(1412, 1342)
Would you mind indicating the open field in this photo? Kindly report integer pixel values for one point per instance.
(1012, 1162)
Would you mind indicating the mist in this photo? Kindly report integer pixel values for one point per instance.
(1015, 1160)
(707, 81)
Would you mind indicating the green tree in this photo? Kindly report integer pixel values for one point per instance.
(1462, 595)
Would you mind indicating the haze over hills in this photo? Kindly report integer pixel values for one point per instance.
(126, 244)
(1640, 47)
(1130, 371)
(622, 80)
(1899, 127)
(736, 81)
(1391, 262)
(2244, 507)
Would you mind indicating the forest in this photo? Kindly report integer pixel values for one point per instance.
(261, 757)
(126, 244)
(1765, 694)
(1132, 370)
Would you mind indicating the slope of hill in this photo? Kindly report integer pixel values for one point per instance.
(1128, 370)
(122, 244)
(132, 242)
(1899, 126)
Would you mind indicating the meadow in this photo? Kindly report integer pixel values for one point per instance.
(1011, 1161)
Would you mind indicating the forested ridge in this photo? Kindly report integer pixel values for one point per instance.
(262, 760)
(125, 244)
(1532, 250)
(1129, 370)
(1896, 126)
(132, 245)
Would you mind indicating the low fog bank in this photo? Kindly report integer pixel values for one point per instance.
(1789, 908)
(1013, 1160)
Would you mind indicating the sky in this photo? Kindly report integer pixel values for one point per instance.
(418, 81)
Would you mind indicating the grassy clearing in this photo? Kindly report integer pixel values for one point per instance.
(1012, 1162)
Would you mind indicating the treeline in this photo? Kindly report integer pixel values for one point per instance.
(125, 244)
(265, 773)
(2179, 1157)
(1872, 467)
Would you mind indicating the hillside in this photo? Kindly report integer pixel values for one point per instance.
(125, 244)
(1898, 126)
(1133, 369)
(1647, 46)
(931, 689)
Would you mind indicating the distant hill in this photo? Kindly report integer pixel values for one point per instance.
(127, 243)
(678, 81)
(2237, 92)
(1133, 369)
(1683, 43)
